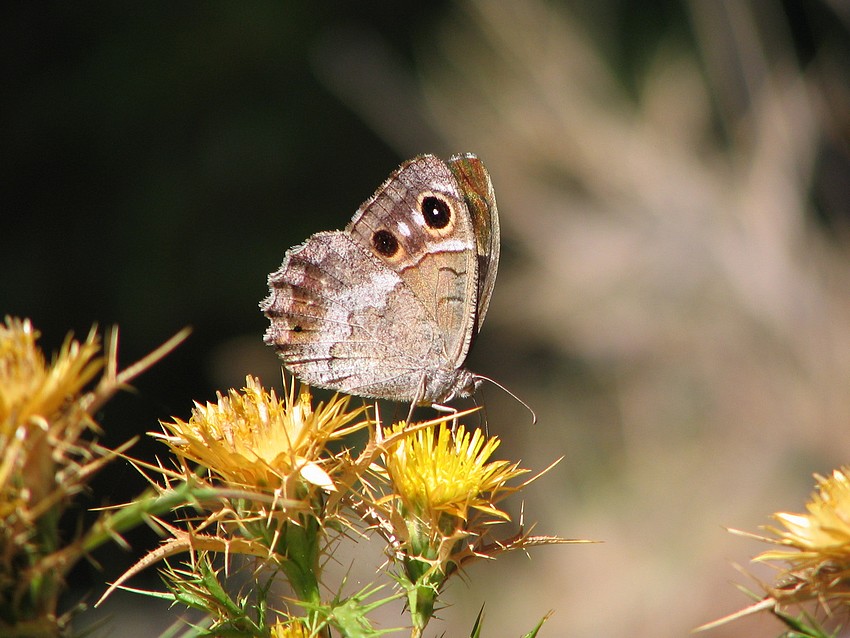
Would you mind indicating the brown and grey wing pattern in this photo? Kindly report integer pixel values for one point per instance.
(340, 320)
(418, 225)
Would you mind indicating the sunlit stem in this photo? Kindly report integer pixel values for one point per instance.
(425, 578)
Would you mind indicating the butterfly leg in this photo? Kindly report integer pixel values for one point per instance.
(416, 401)
(443, 408)
(447, 409)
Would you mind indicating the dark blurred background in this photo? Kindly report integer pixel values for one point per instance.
(674, 301)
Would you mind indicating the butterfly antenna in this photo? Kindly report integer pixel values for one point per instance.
(520, 401)
(483, 413)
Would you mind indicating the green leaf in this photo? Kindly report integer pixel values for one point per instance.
(479, 623)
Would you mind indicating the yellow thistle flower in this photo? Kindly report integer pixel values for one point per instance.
(818, 547)
(448, 474)
(821, 536)
(46, 458)
(444, 493)
(29, 388)
(252, 439)
(41, 416)
(816, 551)
(289, 629)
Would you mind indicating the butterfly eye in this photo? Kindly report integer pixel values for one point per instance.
(385, 243)
(436, 212)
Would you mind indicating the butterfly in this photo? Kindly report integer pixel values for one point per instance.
(389, 307)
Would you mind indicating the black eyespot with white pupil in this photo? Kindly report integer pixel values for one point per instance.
(385, 243)
(436, 212)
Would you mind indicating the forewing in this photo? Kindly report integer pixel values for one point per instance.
(477, 189)
(434, 255)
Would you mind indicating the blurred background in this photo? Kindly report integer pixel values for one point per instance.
(673, 181)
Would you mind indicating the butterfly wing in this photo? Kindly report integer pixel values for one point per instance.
(341, 320)
(417, 224)
(477, 189)
(388, 307)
